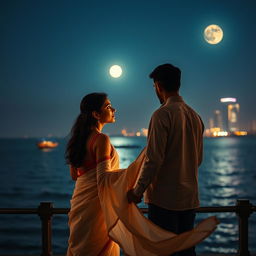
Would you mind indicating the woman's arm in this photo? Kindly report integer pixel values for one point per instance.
(102, 152)
(73, 172)
(102, 148)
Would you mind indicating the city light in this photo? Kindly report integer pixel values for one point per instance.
(143, 132)
(215, 132)
(220, 134)
(240, 133)
(228, 100)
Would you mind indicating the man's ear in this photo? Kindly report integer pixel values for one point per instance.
(158, 86)
(96, 115)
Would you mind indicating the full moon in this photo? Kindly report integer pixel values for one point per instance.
(213, 34)
(115, 71)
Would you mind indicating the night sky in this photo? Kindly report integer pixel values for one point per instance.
(52, 53)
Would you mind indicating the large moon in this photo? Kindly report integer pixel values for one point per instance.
(115, 71)
(213, 34)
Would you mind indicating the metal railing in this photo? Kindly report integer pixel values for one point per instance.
(243, 210)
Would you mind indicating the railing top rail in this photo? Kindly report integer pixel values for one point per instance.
(18, 211)
(144, 210)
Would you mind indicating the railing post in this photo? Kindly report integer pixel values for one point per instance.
(45, 213)
(244, 210)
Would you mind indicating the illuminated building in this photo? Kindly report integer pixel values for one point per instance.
(217, 120)
(233, 115)
(225, 122)
(230, 114)
(215, 126)
(211, 123)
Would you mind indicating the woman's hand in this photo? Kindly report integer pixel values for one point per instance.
(131, 197)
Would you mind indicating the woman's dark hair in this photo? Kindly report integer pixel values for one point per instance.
(76, 147)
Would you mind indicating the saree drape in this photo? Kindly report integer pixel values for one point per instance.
(101, 218)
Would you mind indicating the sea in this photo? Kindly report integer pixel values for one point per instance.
(29, 175)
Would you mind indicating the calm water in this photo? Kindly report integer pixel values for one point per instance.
(29, 175)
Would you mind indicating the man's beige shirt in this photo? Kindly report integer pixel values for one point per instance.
(173, 155)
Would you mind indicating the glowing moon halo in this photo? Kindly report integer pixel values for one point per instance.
(213, 34)
(115, 71)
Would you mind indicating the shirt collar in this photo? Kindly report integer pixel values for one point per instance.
(173, 99)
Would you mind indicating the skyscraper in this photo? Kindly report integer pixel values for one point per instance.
(230, 114)
(217, 120)
(233, 117)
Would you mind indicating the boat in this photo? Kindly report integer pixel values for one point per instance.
(47, 144)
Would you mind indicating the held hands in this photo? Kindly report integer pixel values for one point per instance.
(131, 197)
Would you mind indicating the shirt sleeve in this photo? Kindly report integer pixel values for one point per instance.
(155, 152)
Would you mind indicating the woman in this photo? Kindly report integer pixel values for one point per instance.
(86, 147)
(100, 218)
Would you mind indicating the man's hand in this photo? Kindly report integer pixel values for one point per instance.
(131, 197)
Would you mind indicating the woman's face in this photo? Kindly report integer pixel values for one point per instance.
(107, 113)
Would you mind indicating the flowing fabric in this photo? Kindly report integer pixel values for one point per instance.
(100, 211)
(88, 230)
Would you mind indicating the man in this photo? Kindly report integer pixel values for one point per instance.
(174, 152)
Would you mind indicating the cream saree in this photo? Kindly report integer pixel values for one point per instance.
(101, 219)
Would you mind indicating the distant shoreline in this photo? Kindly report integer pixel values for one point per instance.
(120, 135)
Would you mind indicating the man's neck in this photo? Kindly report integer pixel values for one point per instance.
(167, 95)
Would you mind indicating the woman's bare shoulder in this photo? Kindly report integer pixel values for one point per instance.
(103, 139)
(102, 146)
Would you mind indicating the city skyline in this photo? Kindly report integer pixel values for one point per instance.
(53, 53)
